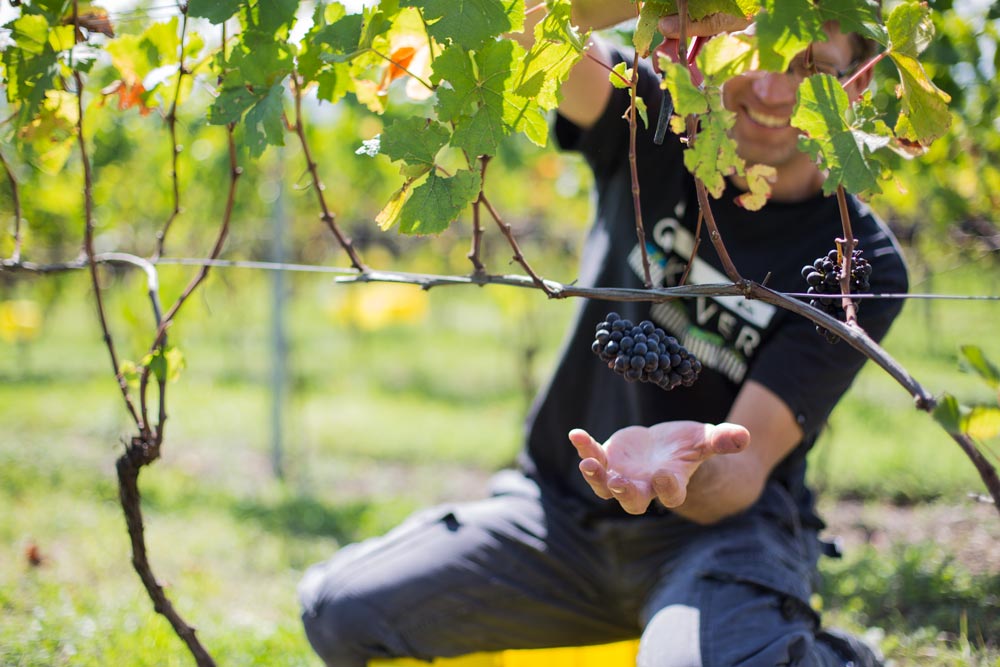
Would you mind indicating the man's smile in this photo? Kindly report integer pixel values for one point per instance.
(767, 120)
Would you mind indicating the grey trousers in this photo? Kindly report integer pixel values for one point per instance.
(518, 571)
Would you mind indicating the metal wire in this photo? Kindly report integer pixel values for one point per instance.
(313, 268)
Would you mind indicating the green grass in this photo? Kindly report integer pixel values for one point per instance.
(378, 424)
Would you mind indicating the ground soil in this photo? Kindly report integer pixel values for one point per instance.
(969, 532)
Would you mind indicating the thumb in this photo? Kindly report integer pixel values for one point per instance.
(728, 438)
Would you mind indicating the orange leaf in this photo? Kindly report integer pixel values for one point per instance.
(400, 60)
(129, 95)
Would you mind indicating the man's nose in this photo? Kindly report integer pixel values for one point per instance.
(775, 87)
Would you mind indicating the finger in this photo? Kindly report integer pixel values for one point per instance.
(709, 26)
(728, 438)
(596, 476)
(668, 489)
(628, 494)
(587, 447)
(668, 49)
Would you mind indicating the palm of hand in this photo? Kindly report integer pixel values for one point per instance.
(638, 453)
(638, 464)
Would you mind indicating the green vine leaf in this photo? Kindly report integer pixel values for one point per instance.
(910, 28)
(726, 56)
(857, 16)
(253, 86)
(136, 56)
(620, 75)
(31, 68)
(264, 124)
(785, 28)
(688, 98)
(948, 414)
(437, 202)
(470, 23)
(557, 47)
(821, 113)
(339, 31)
(527, 116)
(974, 359)
(471, 95)
(165, 364)
(415, 141)
(216, 11)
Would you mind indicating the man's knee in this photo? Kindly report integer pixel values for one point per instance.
(672, 638)
(678, 636)
(341, 628)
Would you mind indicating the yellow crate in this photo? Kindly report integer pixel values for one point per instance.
(618, 654)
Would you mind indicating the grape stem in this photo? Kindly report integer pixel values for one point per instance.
(845, 255)
(477, 226)
(634, 169)
(694, 247)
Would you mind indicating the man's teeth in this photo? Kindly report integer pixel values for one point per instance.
(767, 120)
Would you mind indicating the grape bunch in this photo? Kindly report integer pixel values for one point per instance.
(644, 352)
(823, 277)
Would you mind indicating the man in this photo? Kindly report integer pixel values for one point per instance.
(678, 528)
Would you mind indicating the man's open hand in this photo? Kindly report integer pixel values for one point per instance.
(638, 464)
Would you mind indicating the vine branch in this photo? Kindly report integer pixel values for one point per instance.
(175, 148)
(142, 448)
(845, 253)
(88, 245)
(640, 231)
(477, 226)
(327, 216)
(518, 255)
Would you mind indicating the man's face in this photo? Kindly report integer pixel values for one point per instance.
(763, 103)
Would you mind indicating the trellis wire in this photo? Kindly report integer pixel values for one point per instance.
(345, 271)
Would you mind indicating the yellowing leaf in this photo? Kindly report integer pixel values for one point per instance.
(725, 56)
(389, 214)
(925, 116)
(983, 422)
(759, 178)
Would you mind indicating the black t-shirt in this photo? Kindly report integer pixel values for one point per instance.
(736, 339)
